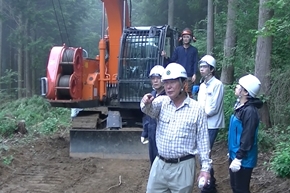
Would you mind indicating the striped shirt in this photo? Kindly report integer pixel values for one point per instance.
(180, 131)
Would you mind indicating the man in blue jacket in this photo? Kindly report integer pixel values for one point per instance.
(150, 124)
(187, 56)
(243, 131)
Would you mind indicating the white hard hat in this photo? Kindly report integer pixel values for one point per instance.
(173, 71)
(208, 59)
(251, 83)
(157, 70)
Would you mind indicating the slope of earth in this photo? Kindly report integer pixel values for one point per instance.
(45, 166)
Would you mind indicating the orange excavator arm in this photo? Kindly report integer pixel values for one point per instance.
(118, 19)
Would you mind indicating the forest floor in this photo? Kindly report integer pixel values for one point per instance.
(44, 165)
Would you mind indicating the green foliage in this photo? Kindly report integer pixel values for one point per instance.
(279, 23)
(155, 12)
(6, 160)
(229, 101)
(220, 31)
(6, 92)
(200, 44)
(154, 8)
(37, 25)
(280, 163)
(39, 117)
(265, 139)
(279, 97)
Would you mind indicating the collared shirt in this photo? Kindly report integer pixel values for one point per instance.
(187, 57)
(180, 131)
(210, 96)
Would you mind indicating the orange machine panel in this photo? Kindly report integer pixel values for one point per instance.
(90, 89)
(53, 70)
(90, 79)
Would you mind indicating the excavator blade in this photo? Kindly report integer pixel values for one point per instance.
(105, 143)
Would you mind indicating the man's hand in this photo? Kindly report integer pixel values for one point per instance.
(204, 176)
(144, 141)
(163, 53)
(193, 78)
(147, 99)
(236, 165)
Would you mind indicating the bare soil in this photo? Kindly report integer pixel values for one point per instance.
(44, 165)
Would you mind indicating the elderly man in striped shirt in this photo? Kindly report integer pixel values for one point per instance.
(181, 134)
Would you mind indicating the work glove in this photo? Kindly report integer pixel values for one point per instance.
(144, 141)
(236, 165)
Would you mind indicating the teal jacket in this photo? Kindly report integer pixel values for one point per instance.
(243, 133)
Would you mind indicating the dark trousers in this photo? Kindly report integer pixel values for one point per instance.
(212, 133)
(240, 180)
(211, 188)
(152, 149)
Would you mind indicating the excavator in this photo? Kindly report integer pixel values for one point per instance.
(109, 87)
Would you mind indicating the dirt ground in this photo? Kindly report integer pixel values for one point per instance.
(45, 166)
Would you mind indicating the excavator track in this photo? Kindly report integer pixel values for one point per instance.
(90, 138)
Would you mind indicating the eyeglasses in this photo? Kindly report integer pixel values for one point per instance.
(204, 66)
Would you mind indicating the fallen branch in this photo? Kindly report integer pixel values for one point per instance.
(120, 182)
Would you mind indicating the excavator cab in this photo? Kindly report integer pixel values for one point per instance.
(140, 50)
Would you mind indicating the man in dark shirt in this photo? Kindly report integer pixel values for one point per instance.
(149, 123)
(187, 56)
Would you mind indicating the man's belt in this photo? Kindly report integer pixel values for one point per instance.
(176, 160)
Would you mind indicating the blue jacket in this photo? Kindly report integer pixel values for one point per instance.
(150, 124)
(187, 57)
(243, 131)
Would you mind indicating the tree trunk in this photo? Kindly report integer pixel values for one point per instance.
(19, 59)
(263, 59)
(27, 73)
(227, 75)
(1, 30)
(21, 127)
(19, 70)
(32, 63)
(33, 79)
(210, 27)
(170, 12)
(10, 67)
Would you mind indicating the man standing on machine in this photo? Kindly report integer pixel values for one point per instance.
(187, 56)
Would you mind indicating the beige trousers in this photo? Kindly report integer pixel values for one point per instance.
(171, 178)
